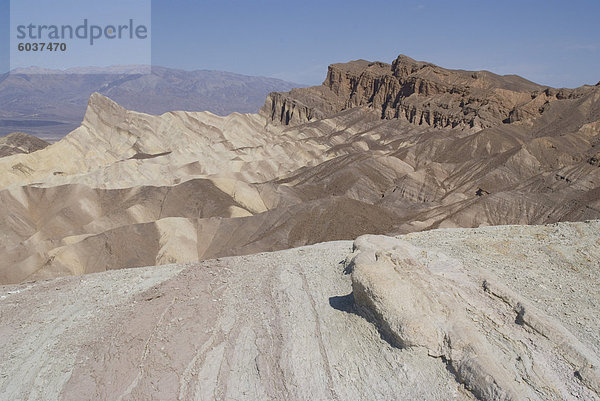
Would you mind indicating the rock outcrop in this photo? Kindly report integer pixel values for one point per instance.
(418, 92)
(19, 142)
(490, 336)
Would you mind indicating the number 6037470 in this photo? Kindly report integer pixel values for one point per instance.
(40, 47)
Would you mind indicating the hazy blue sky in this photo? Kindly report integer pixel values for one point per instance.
(80, 52)
(551, 42)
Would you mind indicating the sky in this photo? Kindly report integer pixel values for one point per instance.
(554, 43)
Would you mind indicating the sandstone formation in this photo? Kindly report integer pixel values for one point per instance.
(494, 313)
(500, 343)
(128, 189)
(420, 93)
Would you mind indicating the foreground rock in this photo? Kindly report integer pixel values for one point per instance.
(497, 313)
(497, 305)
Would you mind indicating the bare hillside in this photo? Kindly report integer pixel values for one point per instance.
(377, 149)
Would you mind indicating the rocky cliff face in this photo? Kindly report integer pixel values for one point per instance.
(418, 92)
(301, 105)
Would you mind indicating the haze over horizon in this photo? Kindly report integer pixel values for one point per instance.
(549, 42)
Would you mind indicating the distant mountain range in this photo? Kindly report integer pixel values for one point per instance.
(50, 104)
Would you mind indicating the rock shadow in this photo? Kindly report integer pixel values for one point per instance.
(348, 267)
(344, 303)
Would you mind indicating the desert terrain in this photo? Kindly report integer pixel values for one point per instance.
(398, 148)
(402, 231)
(446, 314)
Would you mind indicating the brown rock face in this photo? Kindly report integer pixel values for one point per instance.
(418, 92)
(301, 105)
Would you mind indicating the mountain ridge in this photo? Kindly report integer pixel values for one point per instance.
(25, 105)
(405, 89)
(285, 185)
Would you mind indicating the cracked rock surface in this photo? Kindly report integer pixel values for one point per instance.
(512, 310)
